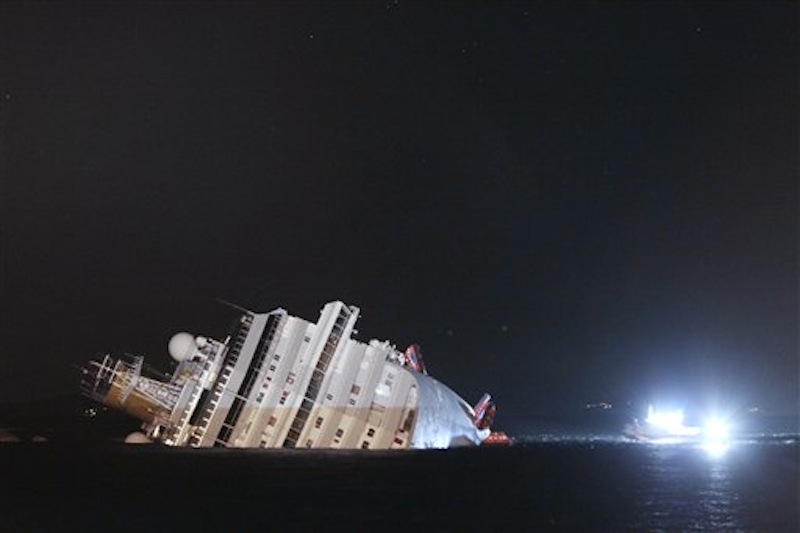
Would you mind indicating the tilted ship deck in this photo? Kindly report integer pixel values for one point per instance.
(278, 381)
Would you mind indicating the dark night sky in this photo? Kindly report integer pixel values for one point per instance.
(561, 202)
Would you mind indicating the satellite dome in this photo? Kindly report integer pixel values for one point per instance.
(137, 437)
(182, 346)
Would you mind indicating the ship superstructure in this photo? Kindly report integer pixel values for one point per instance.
(278, 381)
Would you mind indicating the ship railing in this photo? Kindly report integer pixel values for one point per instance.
(196, 390)
(164, 394)
(129, 374)
(190, 391)
(97, 378)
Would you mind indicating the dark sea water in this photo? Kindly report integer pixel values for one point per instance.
(537, 485)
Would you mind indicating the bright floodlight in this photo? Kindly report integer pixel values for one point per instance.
(716, 433)
(716, 429)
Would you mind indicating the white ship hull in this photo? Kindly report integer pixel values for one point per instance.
(281, 381)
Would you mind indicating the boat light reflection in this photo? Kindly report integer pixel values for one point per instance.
(716, 437)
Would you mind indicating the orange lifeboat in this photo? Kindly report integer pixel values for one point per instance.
(497, 438)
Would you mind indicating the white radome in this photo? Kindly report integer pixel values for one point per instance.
(137, 437)
(182, 346)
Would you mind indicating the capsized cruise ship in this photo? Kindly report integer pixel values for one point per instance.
(278, 381)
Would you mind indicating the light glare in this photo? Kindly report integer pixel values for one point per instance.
(670, 423)
(716, 435)
(716, 430)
